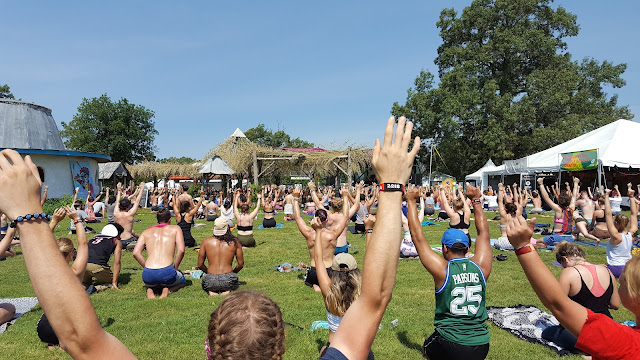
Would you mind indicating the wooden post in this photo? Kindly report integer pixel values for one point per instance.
(349, 171)
(255, 168)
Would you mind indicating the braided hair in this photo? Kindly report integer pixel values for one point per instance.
(246, 325)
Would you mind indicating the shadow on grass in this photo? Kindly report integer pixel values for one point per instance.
(109, 322)
(404, 340)
(320, 344)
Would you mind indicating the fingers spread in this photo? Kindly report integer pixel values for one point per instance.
(399, 140)
(388, 133)
(406, 138)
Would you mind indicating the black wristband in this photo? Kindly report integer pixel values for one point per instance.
(391, 187)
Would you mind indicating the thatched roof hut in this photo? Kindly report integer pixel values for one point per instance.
(256, 160)
(152, 169)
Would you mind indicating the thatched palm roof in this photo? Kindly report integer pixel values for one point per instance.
(150, 169)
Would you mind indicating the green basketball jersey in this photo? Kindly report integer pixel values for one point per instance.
(460, 304)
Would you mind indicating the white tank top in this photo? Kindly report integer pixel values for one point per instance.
(618, 255)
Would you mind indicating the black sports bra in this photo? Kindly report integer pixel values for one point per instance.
(245, 228)
(461, 225)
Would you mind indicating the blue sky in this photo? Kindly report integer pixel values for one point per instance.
(325, 72)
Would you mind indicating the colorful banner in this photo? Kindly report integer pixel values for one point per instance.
(580, 160)
(81, 173)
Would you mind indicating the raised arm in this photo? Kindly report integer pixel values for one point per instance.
(58, 215)
(433, 262)
(302, 225)
(570, 314)
(545, 196)
(314, 196)
(118, 195)
(82, 255)
(75, 196)
(254, 213)
(355, 206)
(501, 210)
(323, 277)
(616, 238)
(421, 212)
(392, 164)
(236, 198)
(194, 210)
(483, 254)
(633, 226)
(444, 203)
(44, 195)
(136, 204)
(70, 312)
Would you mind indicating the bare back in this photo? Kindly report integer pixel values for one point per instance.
(220, 254)
(125, 219)
(332, 220)
(161, 243)
(329, 239)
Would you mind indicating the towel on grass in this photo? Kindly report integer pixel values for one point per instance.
(491, 241)
(22, 305)
(586, 242)
(427, 223)
(526, 322)
(278, 226)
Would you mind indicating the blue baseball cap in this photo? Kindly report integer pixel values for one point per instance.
(453, 236)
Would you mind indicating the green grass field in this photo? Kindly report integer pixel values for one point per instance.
(176, 327)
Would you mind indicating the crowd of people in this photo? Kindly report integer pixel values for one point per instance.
(249, 325)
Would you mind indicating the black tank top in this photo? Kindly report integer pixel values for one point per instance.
(599, 305)
(185, 226)
(100, 249)
(461, 225)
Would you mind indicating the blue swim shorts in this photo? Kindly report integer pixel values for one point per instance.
(166, 276)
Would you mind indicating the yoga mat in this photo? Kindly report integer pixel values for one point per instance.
(23, 305)
(491, 241)
(278, 226)
(526, 322)
(427, 223)
(585, 243)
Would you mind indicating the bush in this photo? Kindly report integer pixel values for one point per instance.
(194, 190)
(255, 191)
(52, 204)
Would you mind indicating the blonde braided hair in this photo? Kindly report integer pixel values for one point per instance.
(246, 325)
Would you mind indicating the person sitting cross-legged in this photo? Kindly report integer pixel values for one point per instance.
(220, 277)
(160, 268)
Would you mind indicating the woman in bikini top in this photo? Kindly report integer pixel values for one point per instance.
(460, 215)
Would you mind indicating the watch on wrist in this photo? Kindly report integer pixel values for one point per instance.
(525, 249)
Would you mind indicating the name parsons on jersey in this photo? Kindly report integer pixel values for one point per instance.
(465, 278)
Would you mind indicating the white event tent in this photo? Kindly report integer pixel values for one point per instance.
(482, 174)
(615, 143)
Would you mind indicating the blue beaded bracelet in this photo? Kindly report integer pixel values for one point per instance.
(33, 216)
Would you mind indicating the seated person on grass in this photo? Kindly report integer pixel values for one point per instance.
(220, 250)
(597, 334)
(7, 311)
(100, 249)
(160, 268)
(124, 215)
(461, 331)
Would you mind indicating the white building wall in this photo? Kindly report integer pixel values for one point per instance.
(57, 173)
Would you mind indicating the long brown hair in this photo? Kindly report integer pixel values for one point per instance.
(246, 325)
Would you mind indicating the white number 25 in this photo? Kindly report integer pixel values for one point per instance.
(468, 294)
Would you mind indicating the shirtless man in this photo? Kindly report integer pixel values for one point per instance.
(537, 203)
(185, 195)
(337, 213)
(219, 251)
(124, 213)
(329, 238)
(160, 267)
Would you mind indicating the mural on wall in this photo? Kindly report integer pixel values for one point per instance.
(81, 173)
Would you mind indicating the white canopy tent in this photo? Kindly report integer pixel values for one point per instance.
(217, 166)
(482, 174)
(615, 143)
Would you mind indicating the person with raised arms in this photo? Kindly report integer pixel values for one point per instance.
(329, 238)
(70, 312)
(160, 267)
(597, 334)
(124, 213)
(621, 241)
(245, 219)
(461, 331)
(185, 212)
(336, 213)
(562, 218)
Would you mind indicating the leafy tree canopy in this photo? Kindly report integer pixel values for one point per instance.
(264, 136)
(177, 160)
(5, 92)
(122, 130)
(507, 86)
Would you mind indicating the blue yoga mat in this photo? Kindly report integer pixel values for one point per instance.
(427, 223)
(278, 226)
(491, 241)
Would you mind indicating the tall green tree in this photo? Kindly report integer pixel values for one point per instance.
(507, 86)
(5, 92)
(177, 160)
(122, 130)
(264, 136)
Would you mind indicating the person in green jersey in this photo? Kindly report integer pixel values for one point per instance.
(461, 331)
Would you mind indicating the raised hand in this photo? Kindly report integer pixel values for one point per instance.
(473, 192)
(72, 213)
(369, 222)
(391, 161)
(59, 214)
(20, 185)
(519, 232)
(316, 224)
(312, 186)
(412, 194)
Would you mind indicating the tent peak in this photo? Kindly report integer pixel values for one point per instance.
(238, 133)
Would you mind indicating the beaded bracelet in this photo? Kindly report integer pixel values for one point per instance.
(33, 216)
